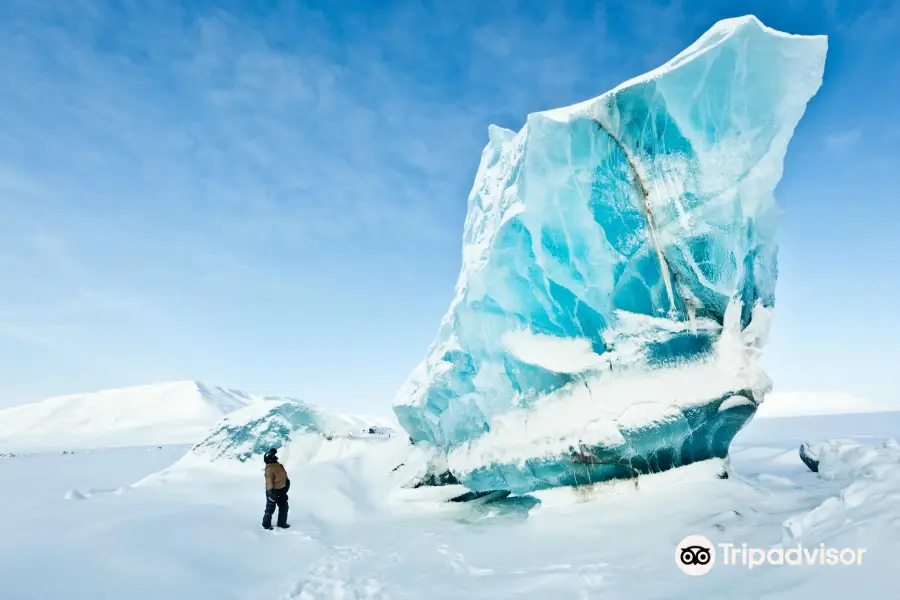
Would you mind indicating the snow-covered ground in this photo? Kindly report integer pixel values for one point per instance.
(74, 526)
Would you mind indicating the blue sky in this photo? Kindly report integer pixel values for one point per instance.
(270, 195)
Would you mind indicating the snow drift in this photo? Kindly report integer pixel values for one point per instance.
(619, 268)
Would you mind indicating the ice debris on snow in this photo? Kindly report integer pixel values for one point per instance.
(619, 268)
(870, 476)
(75, 495)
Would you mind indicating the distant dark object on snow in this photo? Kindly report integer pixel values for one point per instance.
(376, 430)
(809, 457)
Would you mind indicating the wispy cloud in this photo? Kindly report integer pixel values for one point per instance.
(206, 126)
(873, 23)
(843, 140)
(188, 144)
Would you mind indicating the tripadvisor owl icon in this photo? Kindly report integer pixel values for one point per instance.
(695, 555)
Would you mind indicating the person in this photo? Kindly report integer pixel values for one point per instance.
(277, 486)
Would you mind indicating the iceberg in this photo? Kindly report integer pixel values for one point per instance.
(618, 274)
(283, 423)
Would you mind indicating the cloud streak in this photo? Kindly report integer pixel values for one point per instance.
(844, 140)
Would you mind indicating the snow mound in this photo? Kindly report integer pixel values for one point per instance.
(147, 415)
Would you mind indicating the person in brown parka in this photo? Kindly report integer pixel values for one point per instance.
(277, 486)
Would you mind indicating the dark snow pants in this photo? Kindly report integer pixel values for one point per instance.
(276, 498)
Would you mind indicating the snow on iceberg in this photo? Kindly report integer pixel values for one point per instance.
(304, 434)
(619, 267)
(283, 423)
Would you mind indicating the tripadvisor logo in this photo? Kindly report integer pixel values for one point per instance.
(696, 555)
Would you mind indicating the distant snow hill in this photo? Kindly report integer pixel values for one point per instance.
(806, 404)
(159, 414)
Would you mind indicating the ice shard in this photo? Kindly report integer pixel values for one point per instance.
(248, 433)
(619, 268)
(251, 431)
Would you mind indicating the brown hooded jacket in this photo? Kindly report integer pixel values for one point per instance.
(276, 476)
